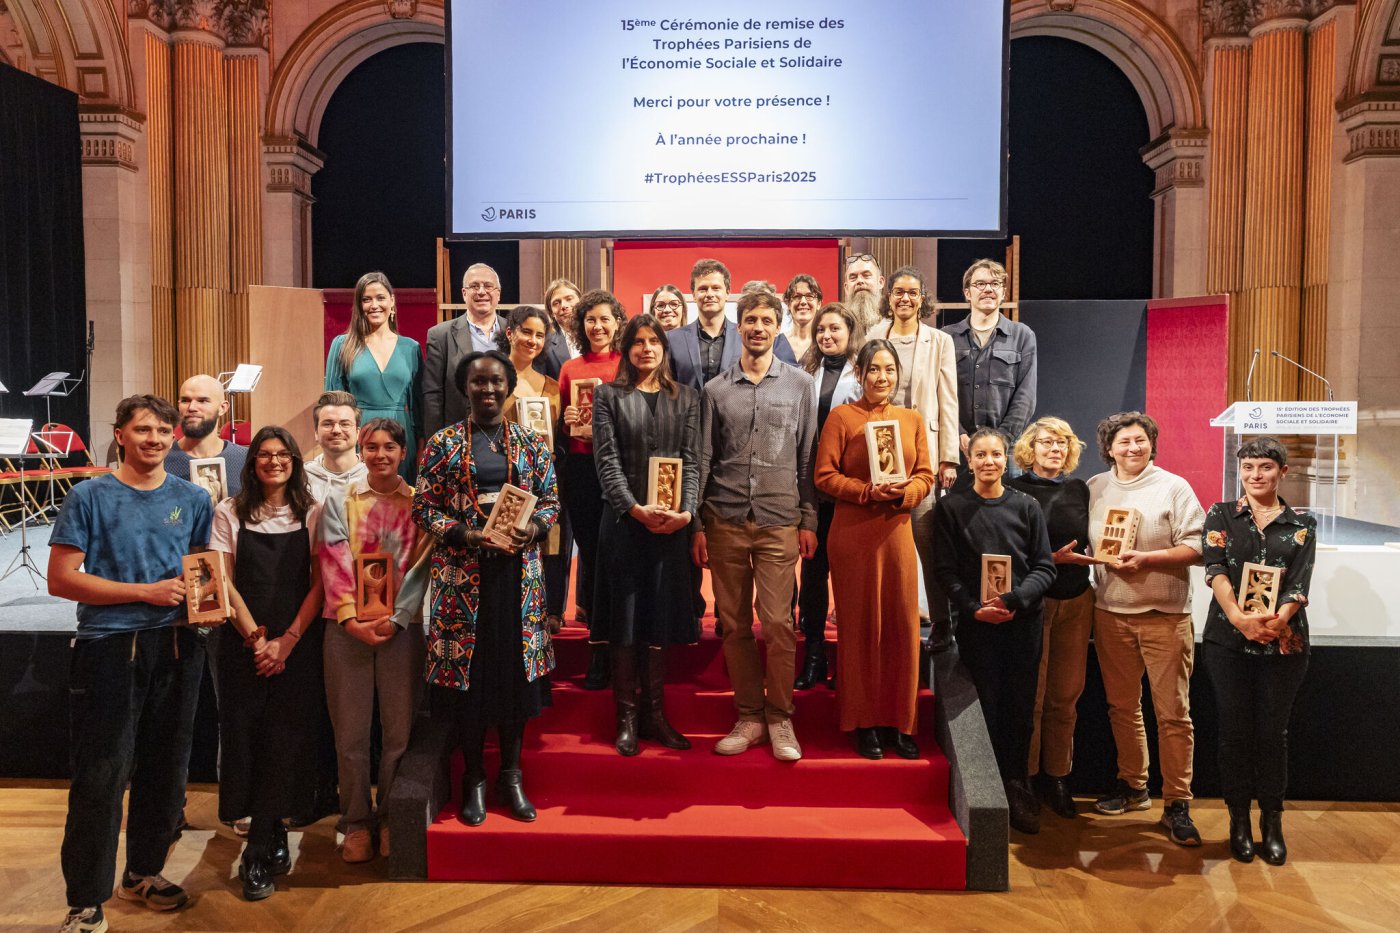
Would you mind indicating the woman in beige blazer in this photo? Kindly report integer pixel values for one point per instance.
(929, 385)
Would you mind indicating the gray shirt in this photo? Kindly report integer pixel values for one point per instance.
(996, 382)
(177, 463)
(758, 443)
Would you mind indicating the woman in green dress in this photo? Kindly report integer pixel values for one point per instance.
(379, 367)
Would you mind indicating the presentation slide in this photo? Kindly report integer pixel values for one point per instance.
(680, 118)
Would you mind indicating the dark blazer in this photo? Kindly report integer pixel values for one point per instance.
(554, 355)
(443, 401)
(626, 436)
(685, 352)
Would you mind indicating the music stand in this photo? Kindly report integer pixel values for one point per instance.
(14, 441)
(54, 385)
(243, 380)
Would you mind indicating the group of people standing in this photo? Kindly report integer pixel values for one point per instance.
(769, 424)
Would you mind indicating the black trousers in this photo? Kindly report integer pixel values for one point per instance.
(1004, 663)
(582, 495)
(814, 598)
(1254, 696)
(556, 568)
(132, 700)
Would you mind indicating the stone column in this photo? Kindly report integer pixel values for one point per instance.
(1320, 116)
(244, 70)
(1269, 306)
(117, 260)
(1177, 159)
(286, 210)
(204, 337)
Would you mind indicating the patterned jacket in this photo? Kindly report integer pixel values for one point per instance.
(445, 498)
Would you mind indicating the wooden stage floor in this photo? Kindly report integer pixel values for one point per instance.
(1094, 873)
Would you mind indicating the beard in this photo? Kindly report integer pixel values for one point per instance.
(865, 305)
(198, 430)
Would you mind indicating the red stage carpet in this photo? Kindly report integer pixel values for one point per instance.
(832, 819)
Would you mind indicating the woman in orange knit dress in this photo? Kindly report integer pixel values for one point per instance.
(874, 567)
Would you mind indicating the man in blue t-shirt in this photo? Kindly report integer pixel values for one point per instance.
(136, 667)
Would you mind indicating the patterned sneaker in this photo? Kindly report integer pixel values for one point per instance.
(1122, 799)
(153, 892)
(84, 920)
(741, 738)
(785, 747)
(1177, 819)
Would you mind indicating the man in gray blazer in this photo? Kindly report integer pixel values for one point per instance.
(450, 341)
(710, 344)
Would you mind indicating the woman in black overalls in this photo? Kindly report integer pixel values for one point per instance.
(270, 682)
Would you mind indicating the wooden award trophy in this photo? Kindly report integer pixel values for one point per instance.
(996, 575)
(1119, 534)
(582, 391)
(664, 483)
(374, 586)
(206, 587)
(512, 509)
(886, 451)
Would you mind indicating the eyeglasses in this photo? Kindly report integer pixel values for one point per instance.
(665, 305)
(480, 287)
(903, 293)
(860, 257)
(343, 425)
(805, 296)
(281, 456)
(1053, 443)
(982, 285)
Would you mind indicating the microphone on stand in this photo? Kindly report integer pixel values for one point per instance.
(1318, 376)
(1253, 360)
(91, 341)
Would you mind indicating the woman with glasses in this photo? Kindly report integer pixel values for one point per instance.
(379, 367)
(525, 338)
(598, 321)
(875, 576)
(668, 307)
(271, 691)
(1048, 452)
(830, 360)
(803, 297)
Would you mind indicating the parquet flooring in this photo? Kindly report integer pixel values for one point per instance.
(1095, 873)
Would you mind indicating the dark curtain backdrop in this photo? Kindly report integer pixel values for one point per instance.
(42, 299)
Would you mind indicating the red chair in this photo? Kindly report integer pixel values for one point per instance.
(56, 440)
(237, 432)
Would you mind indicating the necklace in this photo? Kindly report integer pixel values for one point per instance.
(504, 439)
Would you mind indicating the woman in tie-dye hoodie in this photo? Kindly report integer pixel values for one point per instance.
(373, 515)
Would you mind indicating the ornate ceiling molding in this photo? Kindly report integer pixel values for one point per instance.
(239, 23)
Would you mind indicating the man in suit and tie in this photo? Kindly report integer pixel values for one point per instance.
(448, 342)
(710, 344)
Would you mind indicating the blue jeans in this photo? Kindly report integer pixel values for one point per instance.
(132, 700)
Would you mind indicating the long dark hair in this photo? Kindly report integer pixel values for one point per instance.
(358, 328)
(627, 375)
(812, 359)
(250, 499)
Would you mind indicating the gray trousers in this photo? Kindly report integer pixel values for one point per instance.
(932, 601)
(354, 673)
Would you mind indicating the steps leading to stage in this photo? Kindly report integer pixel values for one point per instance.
(832, 819)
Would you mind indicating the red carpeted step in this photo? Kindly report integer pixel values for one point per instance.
(832, 819)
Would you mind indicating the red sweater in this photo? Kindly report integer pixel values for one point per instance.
(589, 365)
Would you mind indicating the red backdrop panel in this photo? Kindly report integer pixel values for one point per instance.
(639, 266)
(417, 311)
(1188, 369)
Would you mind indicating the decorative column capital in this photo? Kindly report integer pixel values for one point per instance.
(1372, 125)
(291, 161)
(236, 23)
(1177, 157)
(109, 135)
(1225, 19)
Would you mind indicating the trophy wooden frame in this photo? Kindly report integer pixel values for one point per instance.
(581, 397)
(884, 436)
(528, 410)
(374, 572)
(996, 576)
(206, 587)
(513, 508)
(200, 469)
(1260, 586)
(657, 486)
(1118, 534)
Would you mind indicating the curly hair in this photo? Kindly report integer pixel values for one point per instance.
(591, 300)
(1110, 426)
(1024, 451)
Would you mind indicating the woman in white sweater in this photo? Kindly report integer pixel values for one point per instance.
(1142, 618)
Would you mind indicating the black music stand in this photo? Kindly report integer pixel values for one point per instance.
(14, 441)
(54, 385)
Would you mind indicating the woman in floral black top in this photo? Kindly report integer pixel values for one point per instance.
(1257, 659)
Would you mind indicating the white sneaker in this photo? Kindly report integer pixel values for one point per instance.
(741, 738)
(785, 747)
(84, 920)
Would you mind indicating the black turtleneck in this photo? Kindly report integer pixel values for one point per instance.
(831, 374)
(1065, 503)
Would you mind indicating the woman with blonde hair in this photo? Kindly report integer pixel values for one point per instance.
(1048, 452)
(378, 366)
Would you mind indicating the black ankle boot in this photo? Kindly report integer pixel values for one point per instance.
(1241, 840)
(256, 878)
(474, 799)
(904, 746)
(511, 791)
(940, 637)
(624, 684)
(597, 676)
(280, 861)
(651, 717)
(1271, 846)
(868, 744)
(813, 666)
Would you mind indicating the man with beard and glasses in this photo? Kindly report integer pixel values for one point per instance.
(202, 405)
(863, 284)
